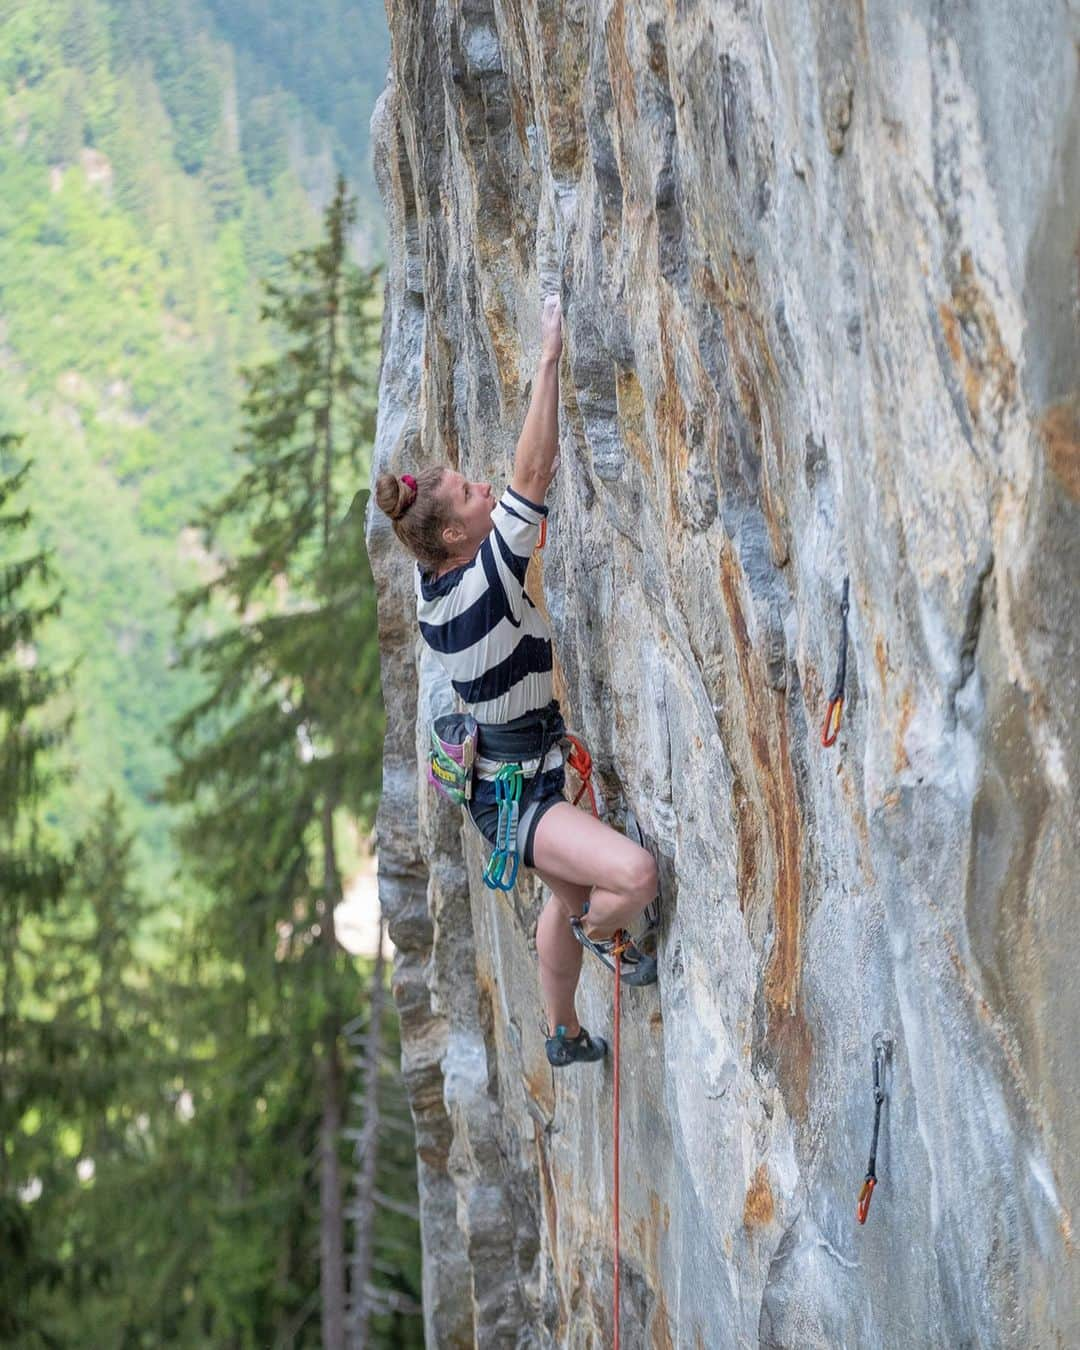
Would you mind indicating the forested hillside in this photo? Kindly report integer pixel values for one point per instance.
(203, 1138)
(158, 161)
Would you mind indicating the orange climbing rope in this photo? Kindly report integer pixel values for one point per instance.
(580, 761)
(621, 938)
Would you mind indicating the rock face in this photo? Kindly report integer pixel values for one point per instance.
(819, 267)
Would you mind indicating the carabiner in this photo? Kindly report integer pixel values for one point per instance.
(495, 877)
(831, 727)
(863, 1207)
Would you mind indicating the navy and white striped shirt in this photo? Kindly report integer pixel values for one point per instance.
(485, 631)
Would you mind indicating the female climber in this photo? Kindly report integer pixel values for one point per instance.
(472, 551)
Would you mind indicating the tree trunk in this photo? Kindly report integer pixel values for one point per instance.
(331, 1220)
(332, 1237)
(363, 1212)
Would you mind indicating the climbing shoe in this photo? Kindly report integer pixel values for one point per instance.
(580, 1049)
(636, 969)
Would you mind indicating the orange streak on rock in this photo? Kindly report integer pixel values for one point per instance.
(1061, 431)
(759, 1209)
(766, 721)
(881, 659)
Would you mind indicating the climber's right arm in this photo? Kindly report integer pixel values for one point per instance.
(538, 444)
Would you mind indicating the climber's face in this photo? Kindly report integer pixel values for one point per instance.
(470, 504)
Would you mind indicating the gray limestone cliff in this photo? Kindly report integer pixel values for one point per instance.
(818, 261)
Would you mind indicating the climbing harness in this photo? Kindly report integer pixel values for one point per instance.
(543, 535)
(514, 743)
(881, 1048)
(457, 740)
(502, 867)
(831, 726)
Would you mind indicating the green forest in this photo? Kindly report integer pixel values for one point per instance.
(155, 172)
(199, 1092)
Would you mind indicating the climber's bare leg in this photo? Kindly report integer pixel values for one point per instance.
(560, 952)
(574, 847)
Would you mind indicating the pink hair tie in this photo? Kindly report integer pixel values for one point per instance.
(409, 481)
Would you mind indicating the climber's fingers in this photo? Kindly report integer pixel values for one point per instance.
(551, 327)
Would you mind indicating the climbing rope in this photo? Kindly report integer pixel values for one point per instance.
(880, 1046)
(621, 939)
(831, 727)
(502, 867)
(580, 761)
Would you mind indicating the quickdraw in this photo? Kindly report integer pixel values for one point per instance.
(502, 867)
(831, 726)
(881, 1047)
(501, 871)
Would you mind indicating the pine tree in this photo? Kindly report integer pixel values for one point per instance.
(101, 1099)
(32, 877)
(289, 736)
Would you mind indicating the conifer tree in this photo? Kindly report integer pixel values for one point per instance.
(287, 737)
(102, 1098)
(32, 877)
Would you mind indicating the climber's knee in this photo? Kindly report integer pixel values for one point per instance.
(642, 879)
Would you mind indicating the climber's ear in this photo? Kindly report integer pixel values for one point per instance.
(452, 535)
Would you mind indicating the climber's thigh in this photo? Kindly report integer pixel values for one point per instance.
(569, 897)
(571, 845)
